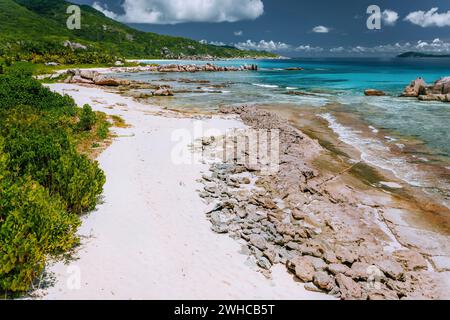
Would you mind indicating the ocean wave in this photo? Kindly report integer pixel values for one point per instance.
(374, 130)
(291, 88)
(265, 85)
(376, 153)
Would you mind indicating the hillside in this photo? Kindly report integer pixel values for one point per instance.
(35, 30)
(412, 54)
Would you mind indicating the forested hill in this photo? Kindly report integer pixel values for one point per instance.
(35, 30)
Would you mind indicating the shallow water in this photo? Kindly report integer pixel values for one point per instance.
(406, 136)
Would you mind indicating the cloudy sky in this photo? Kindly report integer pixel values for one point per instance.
(293, 27)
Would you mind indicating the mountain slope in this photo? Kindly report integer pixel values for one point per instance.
(41, 26)
(413, 54)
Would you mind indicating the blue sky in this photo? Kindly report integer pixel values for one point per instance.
(293, 27)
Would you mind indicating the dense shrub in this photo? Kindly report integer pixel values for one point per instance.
(33, 225)
(18, 88)
(87, 118)
(44, 181)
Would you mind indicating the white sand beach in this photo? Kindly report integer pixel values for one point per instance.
(149, 237)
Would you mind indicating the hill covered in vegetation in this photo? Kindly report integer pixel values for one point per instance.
(36, 31)
(413, 54)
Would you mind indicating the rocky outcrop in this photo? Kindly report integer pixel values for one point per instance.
(439, 91)
(203, 68)
(327, 238)
(163, 91)
(441, 86)
(415, 88)
(93, 77)
(374, 93)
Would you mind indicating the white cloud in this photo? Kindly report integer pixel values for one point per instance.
(104, 10)
(435, 46)
(263, 45)
(238, 33)
(180, 11)
(321, 29)
(214, 43)
(430, 18)
(389, 17)
(308, 48)
(218, 43)
(337, 50)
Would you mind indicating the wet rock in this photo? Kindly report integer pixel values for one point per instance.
(294, 69)
(350, 290)
(374, 93)
(163, 92)
(441, 86)
(302, 267)
(416, 88)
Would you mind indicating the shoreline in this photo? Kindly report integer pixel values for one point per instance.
(149, 239)
(159, 112)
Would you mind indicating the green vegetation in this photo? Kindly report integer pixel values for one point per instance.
(45, 182)
(413, 54)
(35, 31)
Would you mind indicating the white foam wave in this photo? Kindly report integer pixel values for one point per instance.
(375, 152)
(265, 85)
(374, 130)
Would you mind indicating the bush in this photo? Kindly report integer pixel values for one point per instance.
(87, 118)
(44, 181)
(18, 88)
(34, 225)
(78, 181)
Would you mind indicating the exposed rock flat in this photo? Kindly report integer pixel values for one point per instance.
(327, 237)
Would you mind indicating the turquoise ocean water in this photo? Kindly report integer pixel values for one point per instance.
(339, 82)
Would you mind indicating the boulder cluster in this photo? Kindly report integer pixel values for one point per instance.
(202, 68)
(330, 241)
(94, 77)
(439, 91)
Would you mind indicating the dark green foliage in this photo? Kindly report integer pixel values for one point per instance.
(17, 88)
(35, 30)
(44, 181)
(103, 130)
(87, 118)
(33, 225)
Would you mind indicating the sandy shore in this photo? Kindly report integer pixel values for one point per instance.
(149, 238)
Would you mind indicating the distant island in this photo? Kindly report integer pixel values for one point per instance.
(413, 54)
